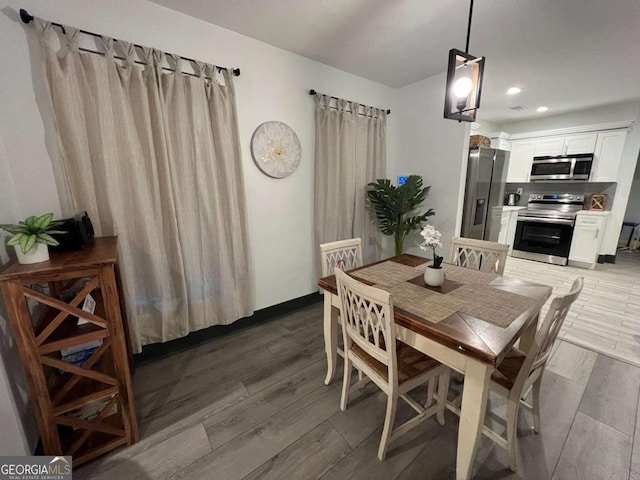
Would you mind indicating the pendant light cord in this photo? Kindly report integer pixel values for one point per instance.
(466, 50)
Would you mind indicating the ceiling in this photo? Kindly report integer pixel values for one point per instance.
(566, 54)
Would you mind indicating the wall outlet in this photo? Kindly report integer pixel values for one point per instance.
(519, 191)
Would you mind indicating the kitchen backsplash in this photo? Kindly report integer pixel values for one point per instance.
(587, 189)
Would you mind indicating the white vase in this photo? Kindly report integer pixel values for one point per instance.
(38, 253)
(434, 277)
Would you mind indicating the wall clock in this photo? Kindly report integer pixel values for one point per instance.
(275, 149)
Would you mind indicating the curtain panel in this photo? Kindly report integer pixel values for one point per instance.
(154, 158)
(350, 152)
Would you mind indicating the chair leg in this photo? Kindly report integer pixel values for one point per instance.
(392, 405)
(431, 389)
(512, 433)
(346, 382)
(443, 391)
(535, 400)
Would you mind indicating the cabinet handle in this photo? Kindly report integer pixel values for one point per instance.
(597, 232)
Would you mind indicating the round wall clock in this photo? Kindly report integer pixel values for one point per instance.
(276, 149)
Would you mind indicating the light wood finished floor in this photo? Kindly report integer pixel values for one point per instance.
(252, 405)
(606, 317)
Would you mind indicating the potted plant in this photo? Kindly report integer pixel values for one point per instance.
(394, 207)
(433, 274)
(32, 237)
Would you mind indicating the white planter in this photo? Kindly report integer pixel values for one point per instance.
(39, 253)
(434, 277)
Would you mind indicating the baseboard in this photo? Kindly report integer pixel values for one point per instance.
(156, 351)
(606, 259)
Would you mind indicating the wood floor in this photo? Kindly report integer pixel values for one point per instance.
(252, 405)
(606, 317)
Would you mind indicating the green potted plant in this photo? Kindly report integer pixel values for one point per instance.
(394, 207)
(32, 237)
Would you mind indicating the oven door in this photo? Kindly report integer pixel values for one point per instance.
(552, 169)
(545, 236)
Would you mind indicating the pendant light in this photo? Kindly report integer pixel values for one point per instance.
(464, 82)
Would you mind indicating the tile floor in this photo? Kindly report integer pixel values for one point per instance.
(606, 317)
(252, 405)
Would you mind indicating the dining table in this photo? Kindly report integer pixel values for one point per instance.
(469, 323)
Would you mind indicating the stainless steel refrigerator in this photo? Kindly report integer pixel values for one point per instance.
(484, 193)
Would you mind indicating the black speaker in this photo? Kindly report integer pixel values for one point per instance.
(79, 233)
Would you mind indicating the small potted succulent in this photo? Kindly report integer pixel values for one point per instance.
(433, 274)
(32, 237)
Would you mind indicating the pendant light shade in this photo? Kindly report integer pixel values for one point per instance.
(464, 85)
(464, 82)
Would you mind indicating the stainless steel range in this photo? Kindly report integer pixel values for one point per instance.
(545, 228)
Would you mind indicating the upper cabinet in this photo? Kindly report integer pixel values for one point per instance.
(608, 154)
(565, 145)
(606, 144)
(522, 153)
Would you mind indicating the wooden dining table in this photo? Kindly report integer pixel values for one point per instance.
(469, 323)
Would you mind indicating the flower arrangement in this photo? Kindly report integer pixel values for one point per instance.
(432, 240)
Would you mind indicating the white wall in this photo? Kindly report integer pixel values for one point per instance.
(436, 148)
(633, 206)
(627, 111)
(274, 85)
(17, 424)
(607, 113)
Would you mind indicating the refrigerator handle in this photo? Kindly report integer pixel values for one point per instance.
(478, 217)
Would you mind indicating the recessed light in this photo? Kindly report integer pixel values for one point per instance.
(542, 109)
(513, 91)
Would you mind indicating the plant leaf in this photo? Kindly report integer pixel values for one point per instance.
(27, 242)
(31, 221)
(15, 240)
(43, 221)
(47, 239)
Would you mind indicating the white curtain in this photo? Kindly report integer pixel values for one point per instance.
(350, 153)
(154, 157)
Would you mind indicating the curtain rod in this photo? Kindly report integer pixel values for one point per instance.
(26, 17)
(313, 92)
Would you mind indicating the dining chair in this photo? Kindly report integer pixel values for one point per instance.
(370, 344)
(521, 372)
(479, 254)
(344, 254)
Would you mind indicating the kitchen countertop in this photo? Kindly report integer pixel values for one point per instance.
(510, 208)
(594, 212)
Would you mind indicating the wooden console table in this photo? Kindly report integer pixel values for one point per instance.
(82, 410)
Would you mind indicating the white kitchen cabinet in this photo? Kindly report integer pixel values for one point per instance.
(608, 155)
(587, 239)
(549, 146)
(520, 161)
(508, 222)
(565, 145)
(584, 143)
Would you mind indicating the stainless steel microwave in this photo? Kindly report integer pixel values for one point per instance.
(562, 167)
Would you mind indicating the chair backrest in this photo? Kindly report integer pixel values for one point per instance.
(367, 320)
(344, 254)
(540, 351)
(479, 254)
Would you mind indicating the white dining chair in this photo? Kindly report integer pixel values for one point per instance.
(370, 345)
(344, 254)
(521, 372)
(479, 254)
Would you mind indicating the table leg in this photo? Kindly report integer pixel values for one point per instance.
(529, 335)
(330, 337)
(474, 405)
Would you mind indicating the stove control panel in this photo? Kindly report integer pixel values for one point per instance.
(556, 198)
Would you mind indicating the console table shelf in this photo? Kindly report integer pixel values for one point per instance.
(87, 408)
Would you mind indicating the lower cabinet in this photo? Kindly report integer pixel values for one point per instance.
(508, 221)
(588, 234)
